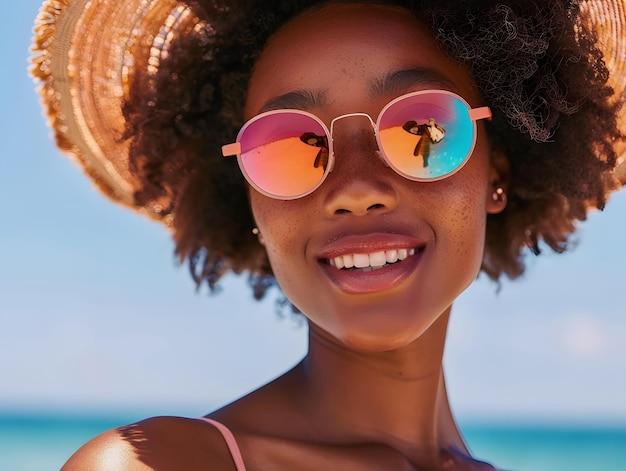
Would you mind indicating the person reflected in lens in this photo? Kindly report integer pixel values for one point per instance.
(312, 139)
(429, 133)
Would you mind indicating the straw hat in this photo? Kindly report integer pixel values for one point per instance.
(608, 20)
(86, 51)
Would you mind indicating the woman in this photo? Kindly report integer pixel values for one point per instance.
(326, 195)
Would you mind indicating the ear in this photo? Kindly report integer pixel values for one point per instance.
(499, 178)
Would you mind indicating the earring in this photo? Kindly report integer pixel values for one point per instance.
(499, 196)
(257, 232)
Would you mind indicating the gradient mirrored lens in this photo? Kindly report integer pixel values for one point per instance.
(284, 153)
(426, 136)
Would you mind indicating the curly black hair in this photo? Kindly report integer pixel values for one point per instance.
(532, 62)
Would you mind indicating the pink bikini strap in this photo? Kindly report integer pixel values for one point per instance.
(230, 442)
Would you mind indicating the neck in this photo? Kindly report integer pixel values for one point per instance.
(397, 398)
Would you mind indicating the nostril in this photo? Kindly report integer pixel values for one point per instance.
(373, 207)
(342, 211)
(359, 197)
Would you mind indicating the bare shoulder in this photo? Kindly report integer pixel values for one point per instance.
(106, 451)
(163, 443)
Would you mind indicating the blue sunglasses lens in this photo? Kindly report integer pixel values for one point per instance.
(426, 136)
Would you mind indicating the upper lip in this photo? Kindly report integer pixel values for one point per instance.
(367, 243)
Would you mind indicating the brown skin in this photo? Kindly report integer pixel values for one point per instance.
(370, 394)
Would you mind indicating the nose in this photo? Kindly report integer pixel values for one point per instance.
(360, 183)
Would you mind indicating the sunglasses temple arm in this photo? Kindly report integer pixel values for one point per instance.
(231, 149)
(483, 112)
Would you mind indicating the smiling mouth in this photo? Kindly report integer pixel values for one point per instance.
(365, 262)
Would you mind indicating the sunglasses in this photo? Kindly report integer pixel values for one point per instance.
(423, 136)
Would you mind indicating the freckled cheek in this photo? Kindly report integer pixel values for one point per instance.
(465, 223)
(468, 240)
(462, 220)
(282, 230)
(285, 247)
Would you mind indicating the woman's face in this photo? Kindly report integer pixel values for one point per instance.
(356, 58)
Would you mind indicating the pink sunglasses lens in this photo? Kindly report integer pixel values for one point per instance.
(284, 153)
(426, 136)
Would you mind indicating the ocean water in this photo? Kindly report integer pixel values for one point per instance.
(43, 443)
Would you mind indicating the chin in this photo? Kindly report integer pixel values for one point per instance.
(371, 328)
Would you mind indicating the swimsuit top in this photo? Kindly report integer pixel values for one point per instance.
(230, 442)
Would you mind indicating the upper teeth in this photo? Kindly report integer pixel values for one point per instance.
(376, 259)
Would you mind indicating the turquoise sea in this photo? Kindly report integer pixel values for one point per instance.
(43, 443)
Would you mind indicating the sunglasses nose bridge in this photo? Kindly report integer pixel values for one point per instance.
(349, 115)
(379, 152)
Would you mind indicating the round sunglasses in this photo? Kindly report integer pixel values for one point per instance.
(423, 136)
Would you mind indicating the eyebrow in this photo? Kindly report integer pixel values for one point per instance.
(396, 83)
(402, 81)
(298, 99)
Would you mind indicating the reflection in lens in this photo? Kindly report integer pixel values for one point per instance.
(428, 133)
(278, 158)
(314, 140)
(426, 136)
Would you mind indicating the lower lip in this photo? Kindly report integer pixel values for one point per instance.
(382, 279)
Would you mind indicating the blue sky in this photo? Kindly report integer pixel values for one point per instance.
(95, 315)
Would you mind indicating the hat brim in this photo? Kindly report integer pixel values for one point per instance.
(84, 56)
(607, 19)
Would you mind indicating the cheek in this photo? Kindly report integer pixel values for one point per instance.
(464, 215)
(467, 224)
(283, 228)
(270, 221)
(457, 214)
